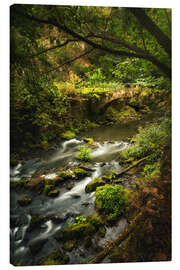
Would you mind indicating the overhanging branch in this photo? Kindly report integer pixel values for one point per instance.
(69, 61)
(52, 48)
(62, 27)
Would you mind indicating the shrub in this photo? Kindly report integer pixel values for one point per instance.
(151, 169)
(84, 153)
(150, 140)
(112, 200)
(68, 135)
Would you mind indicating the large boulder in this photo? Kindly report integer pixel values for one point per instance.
(94, 184)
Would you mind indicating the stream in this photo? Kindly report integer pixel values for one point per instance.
(63, 209)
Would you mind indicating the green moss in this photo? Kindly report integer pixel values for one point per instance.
(79, 173)
(150, 140)
(128, 112)
(75, 232)
(47, 189)
(84, 153)
(69, 245)
(89, 140)
(36, 221)
(102, 231)
(50, 262)
(95, 221)
(64, 175)
(53, 181)
(68, 135)
(94, 184)
(53, 193)
(58, 256)
(70, 185)
(111, 200)
(19, 184)
(23, 201)
(111, 114)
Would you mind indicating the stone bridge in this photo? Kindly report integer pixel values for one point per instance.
(99, 107)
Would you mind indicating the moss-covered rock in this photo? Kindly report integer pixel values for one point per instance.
(75, 232)
(53, 193)
(20, 184)
(47, 189)
(102, 231)
(89, 140)
(58, 256)
(95, 220)
(87, 241)
(112, 200)
(68, 135)
(70, 185)
(37, 245)
(69, 245)
(23, 201)
(64, 175)
(79, 173)
(36, 221)
(52, 181)
(94, 184)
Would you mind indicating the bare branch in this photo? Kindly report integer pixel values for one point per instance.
(52, 48)
(62, 27)
(69, 61)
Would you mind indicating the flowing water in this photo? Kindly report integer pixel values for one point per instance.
(62, 210)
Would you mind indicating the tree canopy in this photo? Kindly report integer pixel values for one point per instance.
(113, 32)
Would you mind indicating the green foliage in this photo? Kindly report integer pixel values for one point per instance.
(47, 189)
(112, 200)
(94, 184)
(84, 153)
(64, 175)
(150, 140)
(79, 220)
(84, 261)
(75, 231)
(89, 140)
(68, 135)
(79, 173)
(151, 169)
(95, 221)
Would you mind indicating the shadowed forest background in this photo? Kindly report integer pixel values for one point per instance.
(92, 84)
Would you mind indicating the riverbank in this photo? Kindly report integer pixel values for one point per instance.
(69, 191)
(84, 112)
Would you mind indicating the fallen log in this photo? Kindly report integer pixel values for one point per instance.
(141, 217)
(134, 163)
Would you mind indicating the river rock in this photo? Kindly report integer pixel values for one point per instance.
(94, 184)
(36, 222)
(69, 245)
(23, 201)
(53, 193)
(75, 196)
(36, 246)
(70, 185)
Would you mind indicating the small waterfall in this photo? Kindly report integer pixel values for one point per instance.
(68, 143)
(109, 148)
